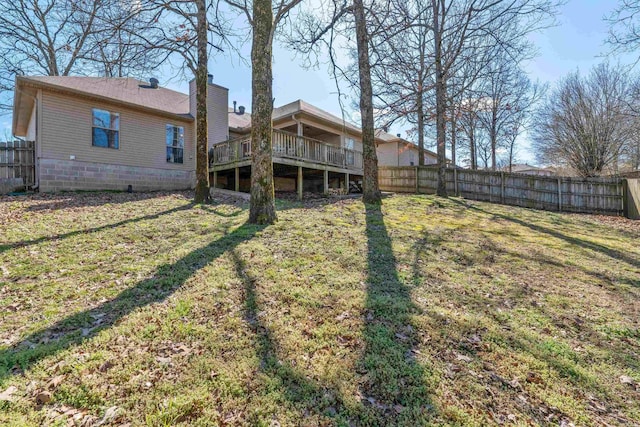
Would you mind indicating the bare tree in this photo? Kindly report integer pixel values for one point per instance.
(260, 16)
(458, 26)
(624, 26)
(586, 121)
(180, 29)
(65, 37)
(402, 75)
(507, 97)
(370, 189)
(316, 32)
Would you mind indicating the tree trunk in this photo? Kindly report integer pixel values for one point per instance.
(441, 108)
(370, 190)
(420, 108)
(493, 134)
(202, 138)
(472, 148)
(453, 137)
(262, 209)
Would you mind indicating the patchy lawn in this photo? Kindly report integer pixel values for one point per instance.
(149, 310)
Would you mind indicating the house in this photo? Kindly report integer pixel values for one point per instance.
(313, 150)
(95, 133)
(530, 170)
(396, 151)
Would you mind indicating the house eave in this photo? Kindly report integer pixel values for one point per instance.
(26, 82)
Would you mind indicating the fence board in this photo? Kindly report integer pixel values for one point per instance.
(17, 160)
(593, 195)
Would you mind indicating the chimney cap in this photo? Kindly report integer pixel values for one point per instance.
(241, 110)
(153, 82)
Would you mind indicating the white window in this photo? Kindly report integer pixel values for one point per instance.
(349, 143)
(106, 129)
(175, 144)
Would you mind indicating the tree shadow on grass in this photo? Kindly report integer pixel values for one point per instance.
(77, 328)
(23, 243)
(66, 199)
(586, 244)
(306, 394)
(396, 385)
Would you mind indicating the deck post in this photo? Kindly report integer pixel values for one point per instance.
(326, 181)
(237, 183)
(346, 182)
(215, 178)
(299, 181)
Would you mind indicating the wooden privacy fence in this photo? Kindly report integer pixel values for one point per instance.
(592, 195)
(17, 160)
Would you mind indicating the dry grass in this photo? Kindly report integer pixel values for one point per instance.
(149, 310)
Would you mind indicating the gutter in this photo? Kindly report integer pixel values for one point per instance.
(41, 85)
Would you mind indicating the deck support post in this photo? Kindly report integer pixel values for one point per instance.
(215, 179)
(299, 182)
(237, 180)
(346, 182)
(326, 181)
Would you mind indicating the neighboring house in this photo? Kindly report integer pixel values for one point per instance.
(530, 170)
(395, 151)
(96, 133)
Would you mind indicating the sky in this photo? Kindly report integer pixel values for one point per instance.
(576, 43)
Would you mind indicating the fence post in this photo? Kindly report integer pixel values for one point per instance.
(455, 181)
(559, 194)
(417, 179)
(502, 187)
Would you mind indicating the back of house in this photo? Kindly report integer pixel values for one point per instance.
(94, 133)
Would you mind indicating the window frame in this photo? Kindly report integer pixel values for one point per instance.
(115, 130)
(175, 143)
(349, 143)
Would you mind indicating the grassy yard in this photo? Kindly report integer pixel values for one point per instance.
(145, 309)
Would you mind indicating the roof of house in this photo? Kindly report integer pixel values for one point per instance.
(126, 91)
(239, 121)
(523, 167)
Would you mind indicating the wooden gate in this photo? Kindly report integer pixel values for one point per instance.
(18, 160)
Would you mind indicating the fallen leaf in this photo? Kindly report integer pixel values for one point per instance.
(624, 379)
(6, 395)
(105, 366)
(463, 358)
(109, 415)
(55, 382)
(43, 397)
(534, 378)
(163, 360)
(342, 316)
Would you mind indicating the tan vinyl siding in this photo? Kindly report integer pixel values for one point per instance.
(406, 155)
(217, 111)
(67, 131)
(217, 101)
(387, 154)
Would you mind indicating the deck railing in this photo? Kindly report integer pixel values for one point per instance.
(291, 146)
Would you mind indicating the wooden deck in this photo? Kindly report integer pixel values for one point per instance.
(288, 149)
